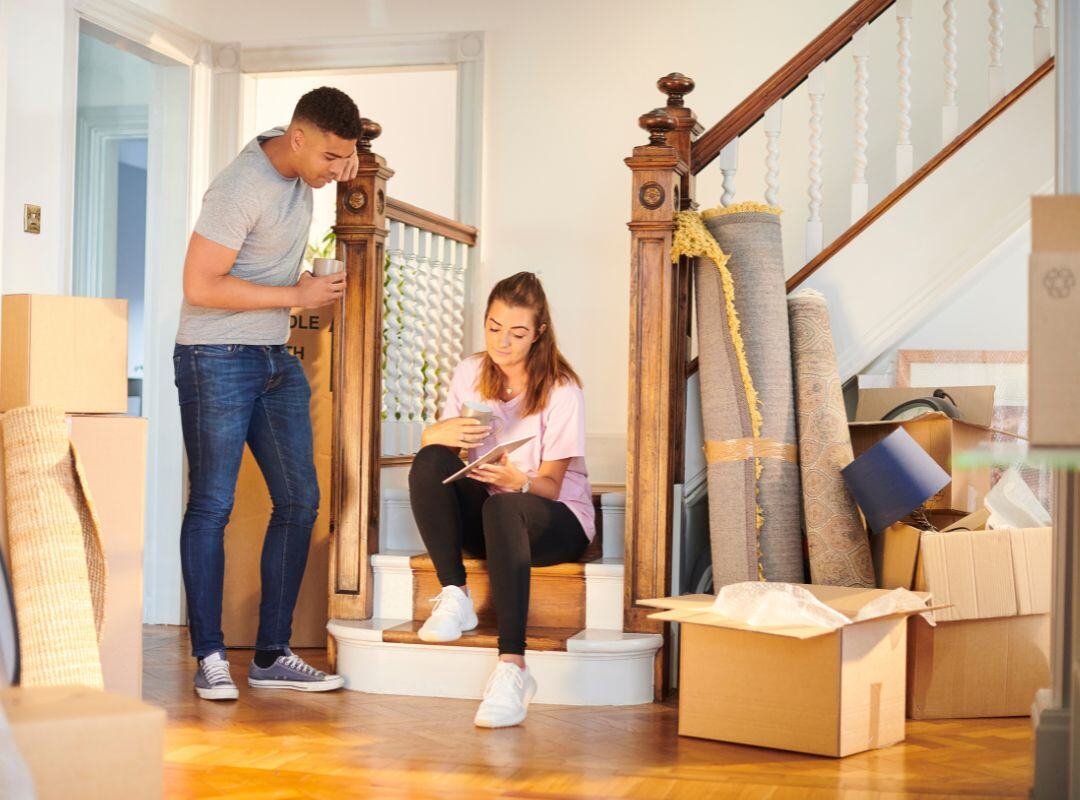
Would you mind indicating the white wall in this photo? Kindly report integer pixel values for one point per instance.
(989, 313)
(37, 155)
(565, 83)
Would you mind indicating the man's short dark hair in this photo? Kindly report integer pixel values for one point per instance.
(331, 110)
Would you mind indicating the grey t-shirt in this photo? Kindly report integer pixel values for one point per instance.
(251, 208)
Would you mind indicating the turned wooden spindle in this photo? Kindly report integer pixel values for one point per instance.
(370, 130)
(675, 85)
(659, 123)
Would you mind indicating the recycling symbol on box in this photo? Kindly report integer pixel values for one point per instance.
(1059, 282)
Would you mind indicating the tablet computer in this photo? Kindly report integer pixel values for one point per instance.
(494, 454)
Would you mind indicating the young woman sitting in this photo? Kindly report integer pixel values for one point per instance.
(531, 508)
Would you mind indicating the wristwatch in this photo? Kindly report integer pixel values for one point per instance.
(525, 486)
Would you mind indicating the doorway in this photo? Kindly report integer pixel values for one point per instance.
(130, 227)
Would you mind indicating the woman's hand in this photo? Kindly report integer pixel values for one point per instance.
(456, 432)
(501, 473)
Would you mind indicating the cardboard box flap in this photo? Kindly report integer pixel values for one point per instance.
(976, 403)
(976, 521)
(697, 609)
(987, 573)
(1053, 223)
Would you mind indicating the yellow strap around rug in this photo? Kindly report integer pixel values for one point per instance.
(750, 447)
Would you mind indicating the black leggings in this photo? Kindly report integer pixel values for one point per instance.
(512, 531)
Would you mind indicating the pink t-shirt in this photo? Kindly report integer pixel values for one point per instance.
(558, 432)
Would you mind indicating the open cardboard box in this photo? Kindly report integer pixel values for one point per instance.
(937, 433)
(809, 689)
(989, 652)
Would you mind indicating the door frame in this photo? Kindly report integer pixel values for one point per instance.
(178, 172)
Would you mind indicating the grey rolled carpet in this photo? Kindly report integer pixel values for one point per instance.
(728, 407)
(750, 236)
(839, 547)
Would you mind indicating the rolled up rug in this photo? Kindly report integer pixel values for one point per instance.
(835, 534)
(57, 559)
(749, 233)
(728, 407)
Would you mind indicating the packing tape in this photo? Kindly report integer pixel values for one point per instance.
(750, 447)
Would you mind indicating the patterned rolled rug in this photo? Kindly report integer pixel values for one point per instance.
(57, 560)
(839, 547)
(749, 233)
(728, 407)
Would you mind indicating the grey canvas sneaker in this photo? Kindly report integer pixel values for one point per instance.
(212, 679)
(292, 672)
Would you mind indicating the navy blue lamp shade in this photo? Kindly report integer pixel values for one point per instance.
(892, 479)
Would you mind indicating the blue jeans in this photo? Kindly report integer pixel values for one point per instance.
(231, 395)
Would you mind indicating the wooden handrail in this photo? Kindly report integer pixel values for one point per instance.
(1002, 105)
(400, 211)
(783, 82)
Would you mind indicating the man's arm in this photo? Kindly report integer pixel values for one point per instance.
(207, 283)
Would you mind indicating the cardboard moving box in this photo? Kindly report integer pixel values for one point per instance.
(937, 433)
(68, 352)
(113, 453)
(809, 689)
(990, 651)
(80, 742)
(312, 342)
(1054, 321)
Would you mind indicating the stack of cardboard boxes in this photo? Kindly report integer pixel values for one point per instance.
(839, 692)
(71, 353)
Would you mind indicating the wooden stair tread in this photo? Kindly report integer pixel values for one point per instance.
(485, 636)
(474, 565)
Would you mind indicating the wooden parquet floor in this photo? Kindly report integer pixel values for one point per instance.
(287, 745)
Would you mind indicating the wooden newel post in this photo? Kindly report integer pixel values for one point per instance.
(354, 501)
(659, 300)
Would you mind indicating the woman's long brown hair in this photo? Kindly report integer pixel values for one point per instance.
(545, 366)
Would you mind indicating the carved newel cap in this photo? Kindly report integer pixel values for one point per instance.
(658, 123)
(369, 131)
(675, 85)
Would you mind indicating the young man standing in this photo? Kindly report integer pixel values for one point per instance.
(238, 384)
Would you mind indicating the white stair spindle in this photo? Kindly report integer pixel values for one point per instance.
(429, 342)
(814, 230)
(950, 112)
(729, 164)
(392, 389)
(997, 51)
(412, 337)
(1042, 33)
(443, 279)
(860, 192)
(772, 152)
(905, 154)
(461, 262)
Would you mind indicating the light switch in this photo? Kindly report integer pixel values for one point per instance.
(31, 218)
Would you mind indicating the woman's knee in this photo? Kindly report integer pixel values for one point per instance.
(433, 462)
(504, 508)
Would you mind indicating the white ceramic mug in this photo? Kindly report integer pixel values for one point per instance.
(326, 266)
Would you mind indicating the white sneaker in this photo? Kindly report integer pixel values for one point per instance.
(453, 613)
(507, 695)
